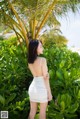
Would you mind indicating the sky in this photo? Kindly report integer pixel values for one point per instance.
(70, 27)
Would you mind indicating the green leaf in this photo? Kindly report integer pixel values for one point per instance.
(65, 74)
(73, 108)
(2, 99)
(79, 94)
(67, 99)
(62, 64)
(11, 98)
(59, 74)
(51, 73)
(62, 105)
(19, 108)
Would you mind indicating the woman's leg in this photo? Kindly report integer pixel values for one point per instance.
(43, 107)
(33, 110)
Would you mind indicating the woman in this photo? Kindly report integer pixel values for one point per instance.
(39, 90)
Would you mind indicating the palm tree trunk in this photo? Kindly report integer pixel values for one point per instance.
(33, 28)
(45, 17)
(24, 32)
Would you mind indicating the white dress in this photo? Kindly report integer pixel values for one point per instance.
(37, 90)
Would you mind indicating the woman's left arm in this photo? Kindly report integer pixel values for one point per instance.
(46, 79)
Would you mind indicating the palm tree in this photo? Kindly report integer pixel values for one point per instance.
(54, 37)
(28, 17)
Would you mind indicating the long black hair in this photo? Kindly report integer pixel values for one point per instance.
(32, 50)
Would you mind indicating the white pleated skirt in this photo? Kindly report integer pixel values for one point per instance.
(37, 90)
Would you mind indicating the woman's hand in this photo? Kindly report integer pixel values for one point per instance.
(49, 97)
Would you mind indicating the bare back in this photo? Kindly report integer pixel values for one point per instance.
(36, 67)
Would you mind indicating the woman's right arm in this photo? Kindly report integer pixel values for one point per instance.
(46, 78)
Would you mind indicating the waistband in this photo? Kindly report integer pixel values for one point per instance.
(38, 77)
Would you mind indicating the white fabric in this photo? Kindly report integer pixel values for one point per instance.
(37, 90)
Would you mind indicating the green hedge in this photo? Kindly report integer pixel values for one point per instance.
(64, 69)
(15, 78)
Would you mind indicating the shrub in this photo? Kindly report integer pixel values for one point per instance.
(1, 38)
(14, 82)
(64, 70)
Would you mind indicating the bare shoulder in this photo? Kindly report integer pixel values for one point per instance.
(43, 59)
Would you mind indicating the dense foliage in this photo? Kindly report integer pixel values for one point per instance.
(64, 70)
(14, 77)
(28, 18)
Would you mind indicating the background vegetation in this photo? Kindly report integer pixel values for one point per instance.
(29, 19)
(15, 78)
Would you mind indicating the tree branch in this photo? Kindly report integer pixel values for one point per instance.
(46, 17)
